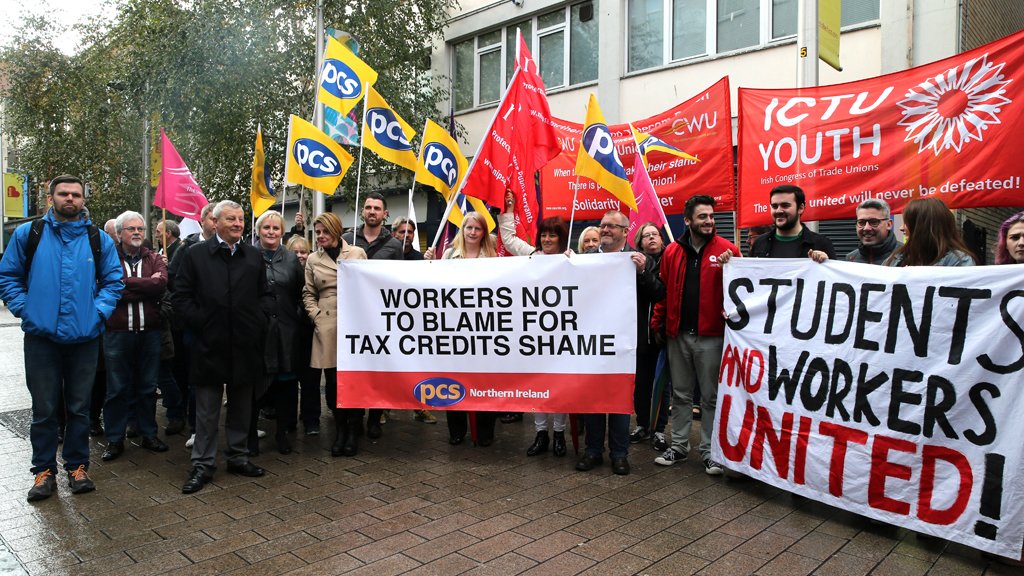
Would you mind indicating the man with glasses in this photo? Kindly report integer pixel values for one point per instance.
(613, 239)
(131, 346)
(874, 230)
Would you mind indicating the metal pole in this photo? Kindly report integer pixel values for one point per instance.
(3, 203)
(318, 108)
(146, 201)
(807, 63)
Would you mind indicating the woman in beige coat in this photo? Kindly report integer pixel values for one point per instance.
(320, 297)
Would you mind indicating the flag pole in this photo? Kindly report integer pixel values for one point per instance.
(359, 172)
(572, 214)
(419, 156)
(472, 162)
(163, 242)
(643, 160)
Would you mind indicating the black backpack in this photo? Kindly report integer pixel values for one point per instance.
(36, 233)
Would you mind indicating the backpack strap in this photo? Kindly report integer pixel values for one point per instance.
(97, 251)
(35, 233)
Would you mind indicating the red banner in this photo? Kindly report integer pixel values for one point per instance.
(700, 126)
(947, 129)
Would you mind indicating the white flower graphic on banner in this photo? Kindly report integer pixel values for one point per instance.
(955, 107)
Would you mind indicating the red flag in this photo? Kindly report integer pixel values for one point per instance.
(646, 201)
(178, 191)
(519, 142)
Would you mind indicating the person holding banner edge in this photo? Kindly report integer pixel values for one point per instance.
(472, 241)
(377, 243)
(553, 236)
(613, 239)
(789, 237)
(320, 297)
(689, 320)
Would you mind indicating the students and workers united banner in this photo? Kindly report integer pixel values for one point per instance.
(898, 399)
(508, 334)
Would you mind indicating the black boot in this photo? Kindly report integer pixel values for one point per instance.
(281, 438)
(351, 446)
(540, 444)
(558, 444)
(341, 434)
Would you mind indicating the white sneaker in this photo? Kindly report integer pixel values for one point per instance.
(669, 458)
(261, 434)
(191, 440)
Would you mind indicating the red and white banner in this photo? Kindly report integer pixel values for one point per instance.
(502, 334)
(700, 126)
(946, 129)
(898, 398)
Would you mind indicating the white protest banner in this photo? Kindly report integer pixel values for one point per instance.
(895, 393)
(544, 333)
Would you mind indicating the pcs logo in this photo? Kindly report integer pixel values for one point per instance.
(439, 392)
(598, 143)
(440, 162)
(386, 129)
(315, 159)
(340, 80)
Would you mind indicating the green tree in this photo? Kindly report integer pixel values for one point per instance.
(213, 70)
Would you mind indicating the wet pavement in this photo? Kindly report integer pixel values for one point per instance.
(411, 504)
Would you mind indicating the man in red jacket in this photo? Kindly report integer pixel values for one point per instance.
(690, 320)
(131, 345)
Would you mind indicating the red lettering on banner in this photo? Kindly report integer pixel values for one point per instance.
(882, 468)
(930, 455)
(800, 461)
(738, 369)
(841, 436)
(735, 452)
(778, 441)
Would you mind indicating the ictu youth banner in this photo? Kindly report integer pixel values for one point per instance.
(700, 126)
(897, 397)
(505, 334)
(945, 129)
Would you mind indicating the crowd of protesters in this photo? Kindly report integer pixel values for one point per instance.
(214, 315)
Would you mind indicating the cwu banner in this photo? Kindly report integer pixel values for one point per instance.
(898, 398)
(501, 334)
(700, 127)
(943, 129)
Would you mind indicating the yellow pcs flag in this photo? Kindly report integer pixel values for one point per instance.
(344, 78)
(261, 193)
(598, 160)
(442, 166)
(387, 134)
(314, 160)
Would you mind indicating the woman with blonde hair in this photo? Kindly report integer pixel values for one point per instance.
(320, 297)
(589, 238)
(472, 241)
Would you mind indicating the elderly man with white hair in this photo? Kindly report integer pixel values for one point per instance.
(131, 345)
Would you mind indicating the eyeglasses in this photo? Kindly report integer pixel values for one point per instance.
(610, 226)
(650, 235)
(870, 222)
(134, 228)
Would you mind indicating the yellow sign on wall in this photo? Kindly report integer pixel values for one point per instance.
(14, 195)
(829, 21)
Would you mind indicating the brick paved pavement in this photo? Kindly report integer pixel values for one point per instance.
(410, 504)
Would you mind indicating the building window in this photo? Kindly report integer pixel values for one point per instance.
(709, 27)
(564, 43)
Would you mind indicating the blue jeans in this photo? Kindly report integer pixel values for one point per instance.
(618, 434)
(133, 368)
(49, 367)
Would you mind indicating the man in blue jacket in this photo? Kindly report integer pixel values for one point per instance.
(63, 297)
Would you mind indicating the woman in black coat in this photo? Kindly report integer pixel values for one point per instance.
(285, 279)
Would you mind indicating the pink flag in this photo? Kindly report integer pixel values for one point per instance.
(178, 191)
(647, 203)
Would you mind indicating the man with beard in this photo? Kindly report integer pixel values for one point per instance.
(221, 295)
(405, 231)
(874, 229)
(131, 345)
(790, 238)
(379, 244)
(61, 276)
(689, 319)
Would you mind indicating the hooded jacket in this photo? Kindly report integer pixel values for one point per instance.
(65, 297)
